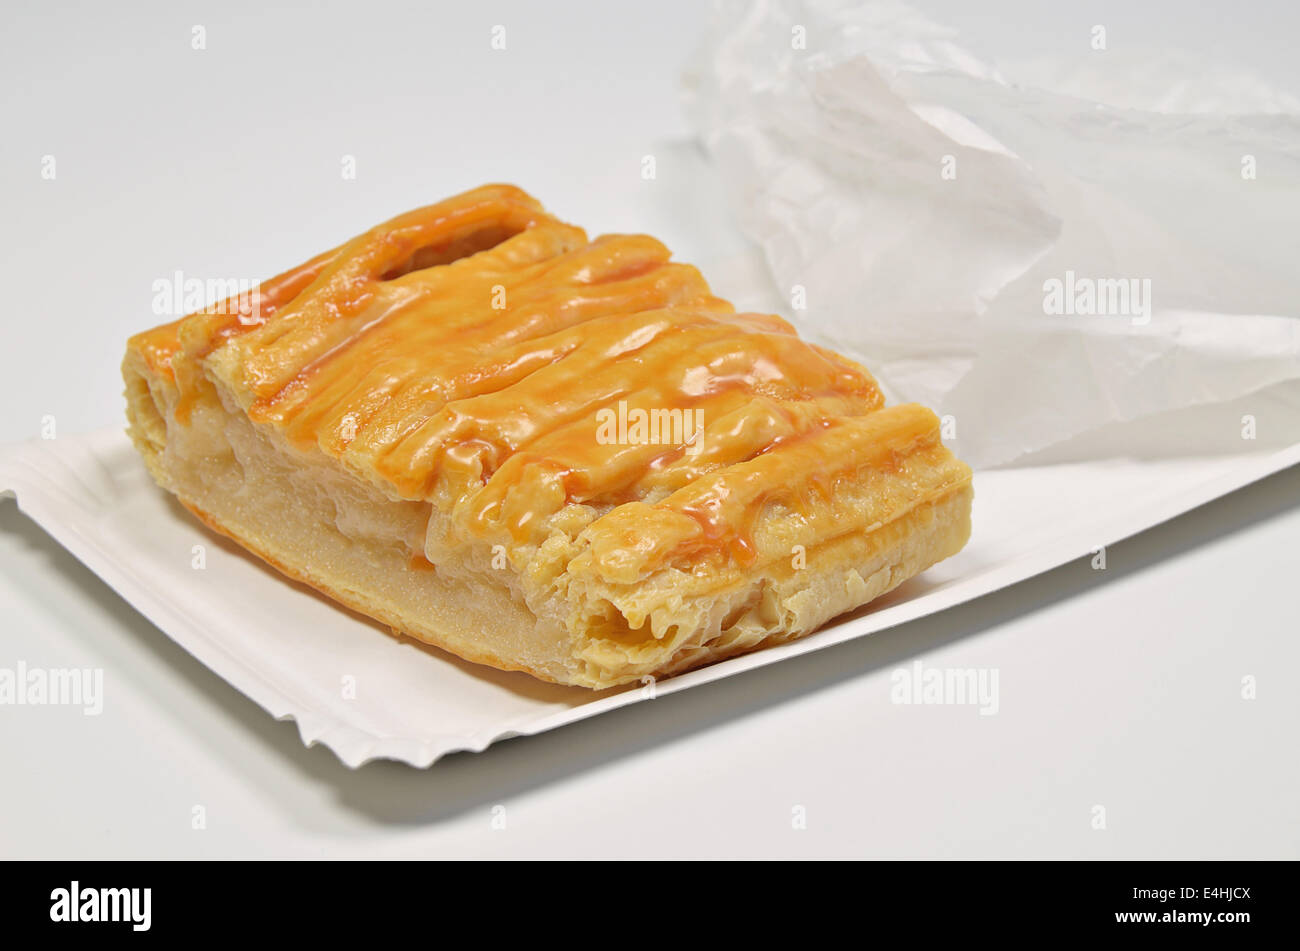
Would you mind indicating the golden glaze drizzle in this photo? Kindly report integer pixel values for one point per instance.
(461, 353)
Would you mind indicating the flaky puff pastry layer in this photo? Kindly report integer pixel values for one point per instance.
(542, 452)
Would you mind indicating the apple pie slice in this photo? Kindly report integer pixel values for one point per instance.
(542, 452)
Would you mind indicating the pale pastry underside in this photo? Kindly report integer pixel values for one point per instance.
(442, 425)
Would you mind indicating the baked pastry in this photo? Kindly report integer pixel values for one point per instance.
(542, 452)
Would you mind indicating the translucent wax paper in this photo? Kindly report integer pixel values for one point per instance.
(937, 218)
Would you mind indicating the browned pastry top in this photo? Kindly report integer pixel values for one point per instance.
(484, 356)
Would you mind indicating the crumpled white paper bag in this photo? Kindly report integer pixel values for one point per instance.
(1029, 261)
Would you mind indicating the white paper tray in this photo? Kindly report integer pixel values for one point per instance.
(289, 649)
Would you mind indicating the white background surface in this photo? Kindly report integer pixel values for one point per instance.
(1119, 688)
